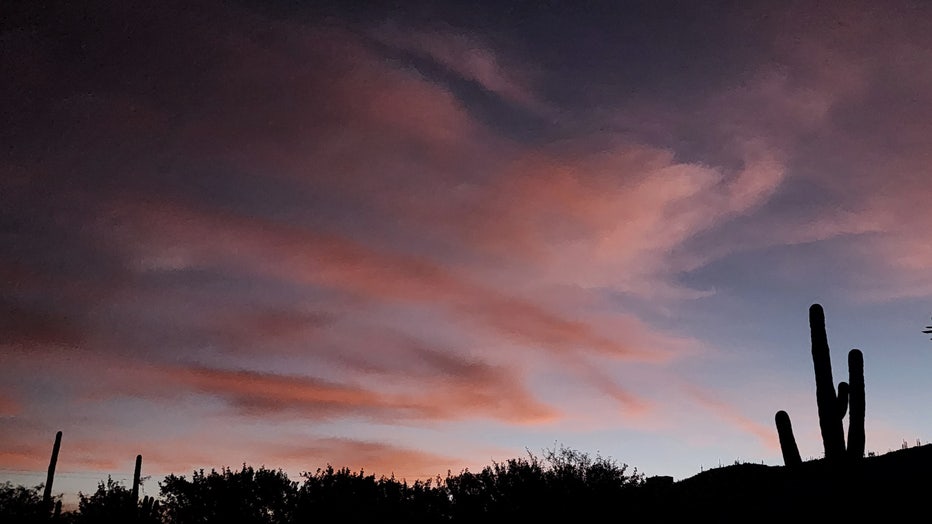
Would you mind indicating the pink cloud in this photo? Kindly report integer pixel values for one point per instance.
(865, 151)
(462, 390)
(607, 219)
(24, 456)
(170, 237)
(266, 394)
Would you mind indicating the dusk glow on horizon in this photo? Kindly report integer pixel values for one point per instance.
(425, 238)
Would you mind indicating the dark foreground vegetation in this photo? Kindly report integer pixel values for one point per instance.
(565, 486)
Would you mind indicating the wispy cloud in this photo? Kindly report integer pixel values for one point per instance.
(265, 394)
(171, 238)
(468, 56)
(376, 458)
(728, 413)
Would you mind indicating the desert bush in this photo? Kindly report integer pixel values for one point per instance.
(249, 496)
(22, 505)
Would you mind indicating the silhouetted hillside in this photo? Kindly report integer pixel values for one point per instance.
(898, 482)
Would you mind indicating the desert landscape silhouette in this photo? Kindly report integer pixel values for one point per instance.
(439, 260)
(562, 484)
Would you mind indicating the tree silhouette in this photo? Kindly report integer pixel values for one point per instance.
(260, 496)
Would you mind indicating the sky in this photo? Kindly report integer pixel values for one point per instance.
(415, 237)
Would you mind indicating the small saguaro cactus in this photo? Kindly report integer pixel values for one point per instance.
(47, 495)
(148, 510)
(832, 406)
(787, 440)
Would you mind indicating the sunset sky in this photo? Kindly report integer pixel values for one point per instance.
(418, 236)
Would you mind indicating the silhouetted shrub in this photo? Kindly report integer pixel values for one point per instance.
(565, 484)
(260, 496)
(112, 503)
(22, 505)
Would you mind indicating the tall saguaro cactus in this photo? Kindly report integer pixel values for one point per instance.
(47, 495)
(136, 473)
(832, 406)
(833, 432)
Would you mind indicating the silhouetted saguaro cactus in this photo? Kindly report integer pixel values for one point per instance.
(47, 495)
(832, 406)
(787, 440)
(857, 407)
(148, 510)
(833, 432)
(136, 473)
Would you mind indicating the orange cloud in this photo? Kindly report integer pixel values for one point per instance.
(447, 388)
(267, 394)
(169, 237)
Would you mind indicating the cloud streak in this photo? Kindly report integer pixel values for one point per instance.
(728, 413)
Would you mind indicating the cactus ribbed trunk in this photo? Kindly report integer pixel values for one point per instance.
(136, 479)
(47, 495)
(856, 404)
(787, 440)
(833, 431)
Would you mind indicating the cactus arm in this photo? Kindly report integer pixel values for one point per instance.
(842, 399)
(787, 440)
(856, 415)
